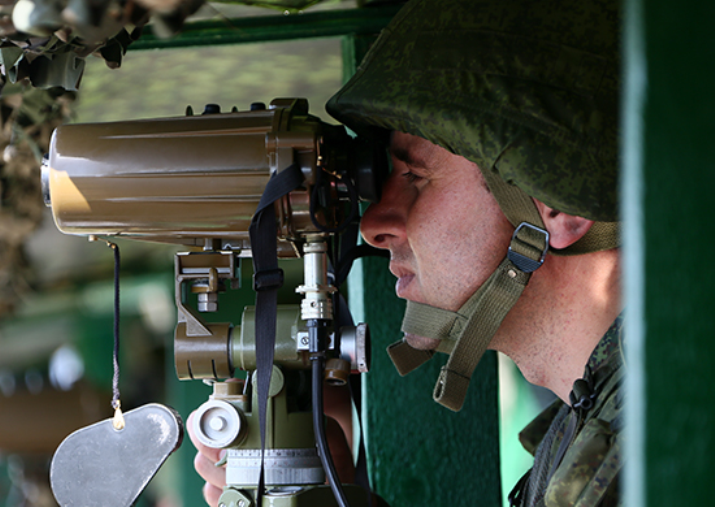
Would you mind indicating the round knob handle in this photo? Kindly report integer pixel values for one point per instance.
(219, 424)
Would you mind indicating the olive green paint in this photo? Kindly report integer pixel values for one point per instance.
(670, 173)
(186, 396)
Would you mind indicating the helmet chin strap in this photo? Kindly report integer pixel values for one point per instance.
(466, 333)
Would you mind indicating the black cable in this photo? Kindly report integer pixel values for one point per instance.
(317, 357)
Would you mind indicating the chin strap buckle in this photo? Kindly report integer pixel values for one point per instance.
(528, 247)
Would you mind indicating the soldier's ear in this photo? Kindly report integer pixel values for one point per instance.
(564, 230)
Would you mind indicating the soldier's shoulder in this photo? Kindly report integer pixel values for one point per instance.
(589, 473)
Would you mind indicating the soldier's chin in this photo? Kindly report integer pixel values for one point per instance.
(421, 342)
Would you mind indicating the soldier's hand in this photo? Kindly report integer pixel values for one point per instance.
(338, 434)
(205, 464)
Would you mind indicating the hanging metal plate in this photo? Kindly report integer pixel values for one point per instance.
(99, 465)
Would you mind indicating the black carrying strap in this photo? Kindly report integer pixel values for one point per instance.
(517, 495)
(581, 399)
(267, 279)
(115, 355)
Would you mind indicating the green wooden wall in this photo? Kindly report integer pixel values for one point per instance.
(669, 177)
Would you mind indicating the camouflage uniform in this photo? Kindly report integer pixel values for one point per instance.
(587, 473)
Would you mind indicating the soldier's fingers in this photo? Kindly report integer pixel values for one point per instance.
(211, 494)
(209, 472)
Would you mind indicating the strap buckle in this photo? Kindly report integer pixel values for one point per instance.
(269, 279)
(521, 261)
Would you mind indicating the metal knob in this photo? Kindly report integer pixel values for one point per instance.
(219, 424)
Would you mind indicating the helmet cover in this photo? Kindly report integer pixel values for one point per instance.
(529, 90)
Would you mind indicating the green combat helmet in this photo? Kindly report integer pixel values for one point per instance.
(529, 91)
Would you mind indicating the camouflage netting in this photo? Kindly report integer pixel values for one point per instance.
(46, 41)
(27, 118)
(42, 51)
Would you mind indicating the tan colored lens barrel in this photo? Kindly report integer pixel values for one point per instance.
(179, 180)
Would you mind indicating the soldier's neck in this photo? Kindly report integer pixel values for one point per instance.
(567, 307)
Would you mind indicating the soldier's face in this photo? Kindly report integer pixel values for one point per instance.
(445, 231)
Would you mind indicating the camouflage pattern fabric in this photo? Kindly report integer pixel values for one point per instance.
(27, 119)
(588, 473)
(44, 42)
(527, 89)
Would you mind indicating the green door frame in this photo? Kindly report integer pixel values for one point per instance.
(336, 23)
(668, 179)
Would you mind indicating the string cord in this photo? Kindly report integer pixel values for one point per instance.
(118, 421)
(115, 354)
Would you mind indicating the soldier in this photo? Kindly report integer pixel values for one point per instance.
(500, 213)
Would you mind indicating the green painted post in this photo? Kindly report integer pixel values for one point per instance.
(669, 177)
(419, 452)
